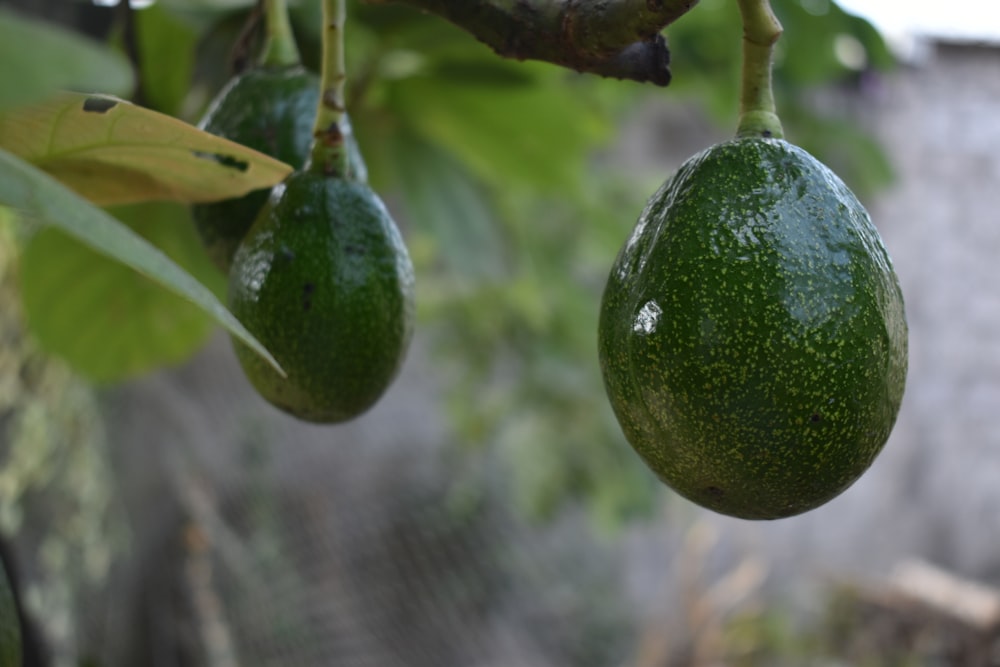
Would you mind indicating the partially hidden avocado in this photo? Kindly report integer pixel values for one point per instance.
(324, 281)
(752, 333)
(269, 109)
(11, 648)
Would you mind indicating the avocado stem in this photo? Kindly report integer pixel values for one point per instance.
(329, 153)
(279, 44)
(761, 30)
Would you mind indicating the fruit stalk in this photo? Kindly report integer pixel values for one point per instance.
(761, 30)
(279, 45)
(329, 154)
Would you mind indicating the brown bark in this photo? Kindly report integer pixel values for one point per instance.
(612, 38)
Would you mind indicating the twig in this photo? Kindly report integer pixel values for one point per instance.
(329, 153)
(761, 31)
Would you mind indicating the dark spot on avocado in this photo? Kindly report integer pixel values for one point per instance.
(99, 104)
(307, 290)
(815, 417)
(714, 491)
(354, 249)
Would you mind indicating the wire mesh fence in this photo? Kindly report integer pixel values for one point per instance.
(230, 535)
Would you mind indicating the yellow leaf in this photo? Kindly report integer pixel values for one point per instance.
(114, 152)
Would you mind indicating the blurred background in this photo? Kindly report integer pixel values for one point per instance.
(488, 512)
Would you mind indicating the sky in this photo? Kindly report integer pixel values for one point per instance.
(963, 19)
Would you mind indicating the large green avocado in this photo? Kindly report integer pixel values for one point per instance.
(752, 334)
(271, 110)
(324, 281)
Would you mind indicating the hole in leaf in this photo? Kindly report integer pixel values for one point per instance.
(99, 104)
(225, 160)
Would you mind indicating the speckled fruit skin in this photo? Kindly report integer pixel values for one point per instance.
(271, 110)
(752, 334)
(324, 281)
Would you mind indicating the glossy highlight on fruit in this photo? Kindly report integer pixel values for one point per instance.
(271, 110)
(752, 334)
(324, 281)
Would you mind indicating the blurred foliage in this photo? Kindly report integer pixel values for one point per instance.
(101, 317)
(821, 49)
(56, 483)
(490, 165)
(38, 58)
(862, 625)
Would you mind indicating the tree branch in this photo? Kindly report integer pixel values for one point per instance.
(612, 38)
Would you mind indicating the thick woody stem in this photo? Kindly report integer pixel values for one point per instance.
(612, 38)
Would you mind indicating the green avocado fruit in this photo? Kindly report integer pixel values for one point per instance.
(752, 334)
(271, 110)
(324, 281)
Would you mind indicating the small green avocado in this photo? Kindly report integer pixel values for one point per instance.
(271, 110)
(752, 334)
(324, 281)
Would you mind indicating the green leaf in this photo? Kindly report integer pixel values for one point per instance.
(538, 134)
(39, 58)
(114, 152)
(850, 152)
(208, 5)
(33, 193)
(107, 322)
(810, 39)
(442, 198)
(166, 53)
